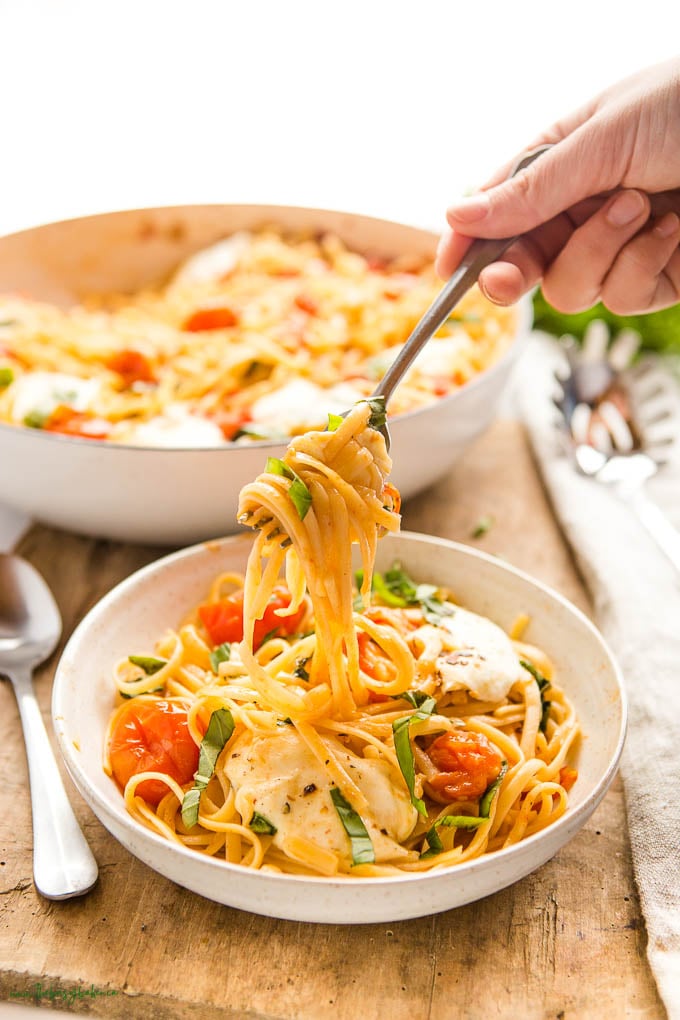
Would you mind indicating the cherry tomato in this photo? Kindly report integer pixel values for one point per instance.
(307, 304)
(223, 620)
(152, 736)
(568, 777)
(210, 318)
(373, 660)
(68, 422)
(131, 366)
(468, 763)
(391, 497)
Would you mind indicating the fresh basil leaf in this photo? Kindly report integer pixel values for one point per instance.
(258, 823)
(257, 431)
(298, 491)
(483, 525)
(37, 419)
(404, 751)
(415, 698)
(543, 686)
(300, 670)
(378, 415)
(9, 322)
(449, 821)
(334, 422)
(220, 654)
(148, 663)
(219, 731)
(383, 590)
(362, 847)
(487, 800)
(6, 376)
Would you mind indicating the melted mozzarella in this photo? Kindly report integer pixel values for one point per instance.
(214, 262)
(176, 428)
(270, 775)
(473, 653)
(300, 404)
(43, 392)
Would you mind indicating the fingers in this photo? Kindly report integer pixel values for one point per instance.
(575, 279)
(560, 178)
(646, 274)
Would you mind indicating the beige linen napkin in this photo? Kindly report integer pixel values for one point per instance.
(636, 594)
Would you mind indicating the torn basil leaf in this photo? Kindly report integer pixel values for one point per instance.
(298, 491)
(397, 589)
(487, 800)
(435, 844)
(148, 663)
(334, 422)
(219, 731)
(362, 847)
(404, 751)
(6, 376)
(300, 670)
(378, 415)
(220, 654)
(415, 698)
(483, 525)
(543, 686)
(258, 823)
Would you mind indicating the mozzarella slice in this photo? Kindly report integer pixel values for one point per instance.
(214, 262)
(477, 655)
(280, 778)
(301, 404)
(176, 428)
(43, 392)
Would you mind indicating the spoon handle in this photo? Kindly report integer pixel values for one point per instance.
(63, 865)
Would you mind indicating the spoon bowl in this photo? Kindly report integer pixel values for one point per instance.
(30, 627)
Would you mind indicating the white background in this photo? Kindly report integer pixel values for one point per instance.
(387, 107)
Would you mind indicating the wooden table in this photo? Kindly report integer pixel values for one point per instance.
(566, 942)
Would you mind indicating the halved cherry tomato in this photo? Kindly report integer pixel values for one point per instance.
(131, 366)
(307, 304)
(391, 497)
(68, 422)
(468, 763)
(152, 736)
(230, 423)
(210, 318)
(223, 620)
(568, 777)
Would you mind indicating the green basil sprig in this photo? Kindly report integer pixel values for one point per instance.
(258, 823)
(148, 663)
(402, 746)
(397, 589)
(220, 654)
(219, 731)
(298, 491)
(435, 845)
(543, 686)
(362, 846)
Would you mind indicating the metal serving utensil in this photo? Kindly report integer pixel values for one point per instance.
(481, 253)
(619, 422)
(30, 626)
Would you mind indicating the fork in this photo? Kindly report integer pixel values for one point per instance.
(627, 449)
(481, 253)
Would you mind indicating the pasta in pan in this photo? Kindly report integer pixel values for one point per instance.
(309, 721)
(254, 338)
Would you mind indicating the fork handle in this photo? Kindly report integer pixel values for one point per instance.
(481, 253)
(666, 536)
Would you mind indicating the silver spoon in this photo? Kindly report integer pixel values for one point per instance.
(479, 255)
(30, 626)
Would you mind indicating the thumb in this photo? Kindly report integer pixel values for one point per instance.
(557, 180)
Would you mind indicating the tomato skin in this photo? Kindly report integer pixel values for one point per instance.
(67, 422)
(223, 620)
(468, 763)
(374, 662)
(132, 366)
(306, 303)
(152, 736)
(568, 777)
(210, 318)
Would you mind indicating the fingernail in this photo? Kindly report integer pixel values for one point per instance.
(668, 225)
(625, 208)
(471, 209)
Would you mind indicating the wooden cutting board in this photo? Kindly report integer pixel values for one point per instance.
(566, 942)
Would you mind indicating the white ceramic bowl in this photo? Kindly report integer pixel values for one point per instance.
(134, 613)
(177, 496)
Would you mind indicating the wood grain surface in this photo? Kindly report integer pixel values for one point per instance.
(566, 942)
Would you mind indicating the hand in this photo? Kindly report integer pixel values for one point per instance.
(599, 212)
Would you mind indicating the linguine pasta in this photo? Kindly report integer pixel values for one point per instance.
(257, 337)
(359, 725)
